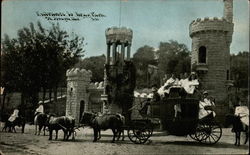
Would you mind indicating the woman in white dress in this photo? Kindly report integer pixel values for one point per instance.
(206, 106)
(171, 82)
(14, 115)
(191, 83)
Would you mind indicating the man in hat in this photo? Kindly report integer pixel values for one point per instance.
(40, 109)
(206, 106)
(156, 97)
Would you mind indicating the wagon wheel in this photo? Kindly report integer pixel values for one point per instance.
(208, 133)
(193, 136)
(140, 135)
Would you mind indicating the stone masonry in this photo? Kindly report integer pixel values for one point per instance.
(214, 35)
(77, 83)
(118, 42)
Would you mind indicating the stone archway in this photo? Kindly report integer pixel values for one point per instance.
(82, 108)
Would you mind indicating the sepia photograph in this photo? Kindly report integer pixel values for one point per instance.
(121, 77)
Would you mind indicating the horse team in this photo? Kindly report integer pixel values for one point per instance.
(115, 122)
(52, 123)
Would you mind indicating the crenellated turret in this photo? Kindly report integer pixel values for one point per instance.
(211, 40)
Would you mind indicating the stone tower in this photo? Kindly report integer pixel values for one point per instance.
(77, 97)
(117, 78)
(211, 39)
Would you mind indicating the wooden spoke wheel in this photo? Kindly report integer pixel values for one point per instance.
(208, 133)
(140, 135)
(193, 136)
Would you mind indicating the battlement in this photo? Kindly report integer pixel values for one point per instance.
(96, 85)
(119, 35)
(77, 72)
(210, 24)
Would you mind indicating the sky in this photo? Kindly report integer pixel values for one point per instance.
(152, 21)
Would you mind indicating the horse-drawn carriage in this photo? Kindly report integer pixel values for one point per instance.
(206, 130)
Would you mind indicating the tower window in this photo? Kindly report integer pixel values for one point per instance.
(202, 54)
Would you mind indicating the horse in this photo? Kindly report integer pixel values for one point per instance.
(65, 123)
(19, 121)
(104, 122)
(238, 127)
(40, 120)
(122, 118)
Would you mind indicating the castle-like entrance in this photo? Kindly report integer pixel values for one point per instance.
(119, 79)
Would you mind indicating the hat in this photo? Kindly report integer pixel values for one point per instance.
(154, 89)
(192, 73)
(205, 92)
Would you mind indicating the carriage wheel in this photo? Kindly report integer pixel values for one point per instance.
(208, 133)
(193, 136)
(140, 136)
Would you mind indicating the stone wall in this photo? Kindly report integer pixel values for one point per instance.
(214, 80)
(77, 96)
(95, 103)
(215, 34)
(82, 95)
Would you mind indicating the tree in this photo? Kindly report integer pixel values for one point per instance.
(143, 57)
(239, 69)
(96, 65)
(173, 58)
(38, 58)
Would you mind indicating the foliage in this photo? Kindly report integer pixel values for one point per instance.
(38, 58)
(142, 58)
(96, 65)
(174, 57)
(239, 69)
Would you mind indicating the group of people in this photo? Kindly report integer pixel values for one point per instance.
(188, 84)
(15, 113)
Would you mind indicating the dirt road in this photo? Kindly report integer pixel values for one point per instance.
(160, 143)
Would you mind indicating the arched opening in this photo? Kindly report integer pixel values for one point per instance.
(202, 54)
(228, 75)
(82, 106)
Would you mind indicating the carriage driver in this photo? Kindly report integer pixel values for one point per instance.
(206, 107)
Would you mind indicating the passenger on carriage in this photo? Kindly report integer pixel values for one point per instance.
(206, 107)
(171, 82)
(190, 84)
(184, 79)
